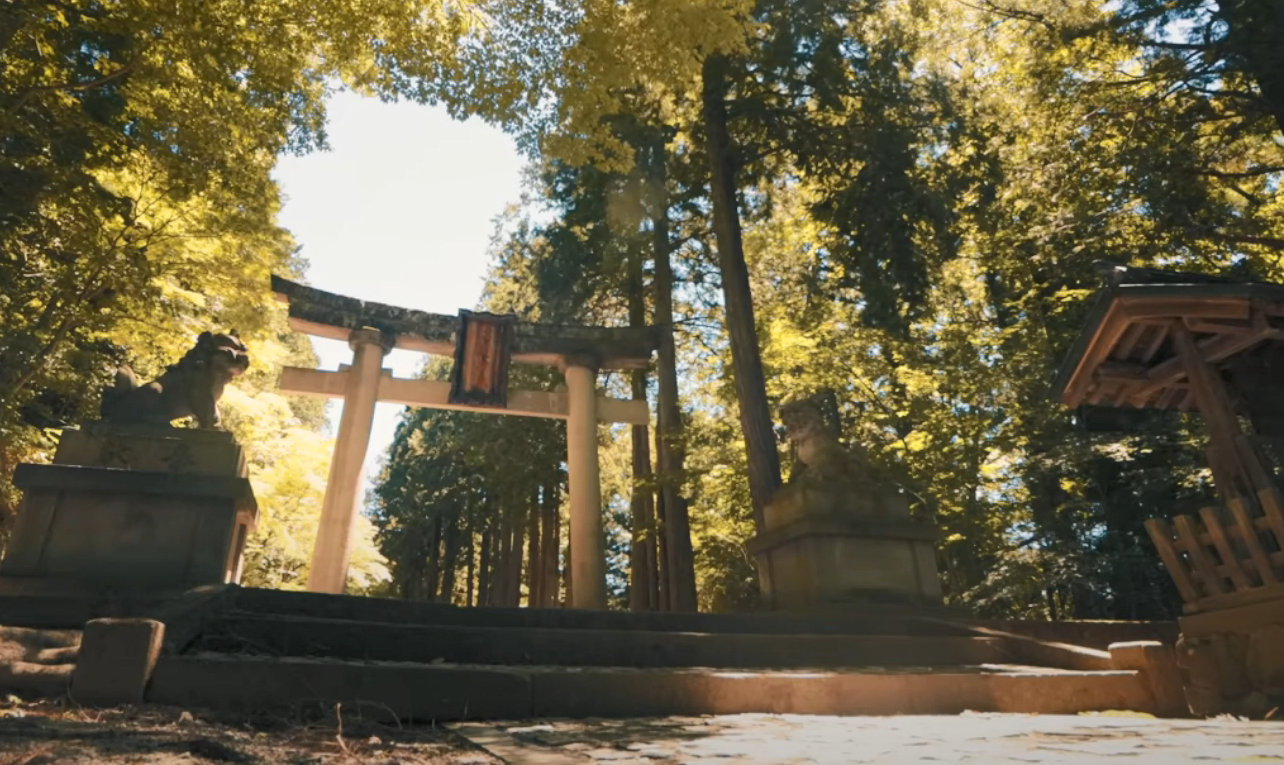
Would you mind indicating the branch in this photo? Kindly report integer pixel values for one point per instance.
(1253, 173)
(1275, 243)
(26, 94)
(989, 6)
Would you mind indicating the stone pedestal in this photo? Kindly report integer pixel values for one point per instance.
(832, 545)
(1232, 659)
(134, 506)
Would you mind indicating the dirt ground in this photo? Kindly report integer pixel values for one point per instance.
(47, 732)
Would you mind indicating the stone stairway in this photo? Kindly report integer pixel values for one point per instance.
(240, 649)
(260, 649)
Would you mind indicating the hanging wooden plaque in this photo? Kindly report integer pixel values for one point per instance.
(483, 351)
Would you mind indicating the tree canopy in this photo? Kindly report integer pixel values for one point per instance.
(892, 205)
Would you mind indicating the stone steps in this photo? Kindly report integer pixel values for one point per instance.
(230, 648)
(866, 620)
(274, 634)
(446, 692)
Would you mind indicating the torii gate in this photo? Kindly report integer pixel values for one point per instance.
(373, 329)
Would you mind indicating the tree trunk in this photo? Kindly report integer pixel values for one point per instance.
(483, 572)
(429, 591)
(534, 560)
(468, 585)
(664, 553)
(642, 558)
(751, 391)
(518, 526)
(503, 559)
(679, 563)
(552, 545)
(453, 541)
(642, 502)
(1255, 30)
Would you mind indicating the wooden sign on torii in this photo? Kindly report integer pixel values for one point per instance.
(373, 329)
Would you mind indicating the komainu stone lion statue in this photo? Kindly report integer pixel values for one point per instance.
(829, 479)
(823, 459)
(190, 388)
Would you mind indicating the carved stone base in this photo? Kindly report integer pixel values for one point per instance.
(176, 516)
(152, 448)
(815, 562)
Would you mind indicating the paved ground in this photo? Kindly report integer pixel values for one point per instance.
(55, 733)
(968, 738)
(59, 733)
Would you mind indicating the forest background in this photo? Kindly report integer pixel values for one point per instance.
(892, 205)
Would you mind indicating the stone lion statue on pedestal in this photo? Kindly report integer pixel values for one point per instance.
(190, 388)
(823, 458)
(830, 480)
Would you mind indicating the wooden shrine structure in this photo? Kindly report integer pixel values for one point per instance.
(1192, 342)
(483, 346)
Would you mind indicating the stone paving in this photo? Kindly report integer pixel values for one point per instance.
(797, 739)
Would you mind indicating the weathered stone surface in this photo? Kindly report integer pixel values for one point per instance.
(129, 528)
(376, 690)
(1215, 662)
(315, 311)
(297, 636)
(184, 451)
(807, 570)
(1157, 666)
(1265, 658)
(873, 620)
(116, 660)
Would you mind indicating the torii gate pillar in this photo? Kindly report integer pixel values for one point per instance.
(333, 549)
(588, 537)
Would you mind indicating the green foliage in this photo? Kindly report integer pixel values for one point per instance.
(136, 206)
(924, 189)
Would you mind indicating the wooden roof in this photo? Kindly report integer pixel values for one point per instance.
(325, 314)
(1124, 356)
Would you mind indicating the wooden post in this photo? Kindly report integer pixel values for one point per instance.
(1214, 404)
(1213, 522)
(1199, 556)
(333, 549)
(1161, 535)
(588, 543)
(1248, 532)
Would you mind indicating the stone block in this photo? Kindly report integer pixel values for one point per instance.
(381, 691)
(821, 560)
(116, 660)
(1216, 661)
(837, 500)
(1265, 658)
(1157, 667)
(129, 528)
(151, 448)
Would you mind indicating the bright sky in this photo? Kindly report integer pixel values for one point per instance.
(399, 211)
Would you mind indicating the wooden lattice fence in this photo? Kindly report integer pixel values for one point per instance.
(1222, 555)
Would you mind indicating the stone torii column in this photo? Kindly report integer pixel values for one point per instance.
(333, 549)
(587, 535)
